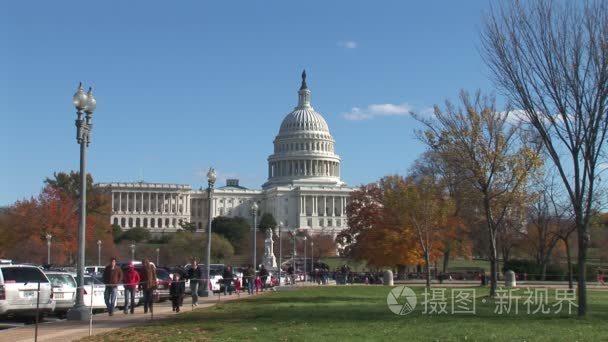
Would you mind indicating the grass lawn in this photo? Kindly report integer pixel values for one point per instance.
(340, 313)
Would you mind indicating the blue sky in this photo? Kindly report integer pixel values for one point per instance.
(185, 85)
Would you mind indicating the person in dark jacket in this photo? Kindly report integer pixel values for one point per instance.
(263, 276)
(227, 280)
(195, 274)
(112, 276)
(177, 288)
(148, 284)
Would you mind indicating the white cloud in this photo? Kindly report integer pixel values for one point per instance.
(378, 110)
(347, 44)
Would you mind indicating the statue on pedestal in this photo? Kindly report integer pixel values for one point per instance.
(270, 260)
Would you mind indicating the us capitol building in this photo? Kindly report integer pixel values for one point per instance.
(303, 190)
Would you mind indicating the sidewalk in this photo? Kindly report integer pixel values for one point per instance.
(73, 330)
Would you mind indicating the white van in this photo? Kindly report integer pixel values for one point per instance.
(19, 291)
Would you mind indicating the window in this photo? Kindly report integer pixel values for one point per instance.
(309, 222)
(23, 275)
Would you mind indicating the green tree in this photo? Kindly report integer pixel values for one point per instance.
(234, 229)
(185, 246)
(267, 222)
(188, 226)
(137, 234)
(116, 233)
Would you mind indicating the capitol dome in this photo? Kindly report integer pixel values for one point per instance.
(304, 148)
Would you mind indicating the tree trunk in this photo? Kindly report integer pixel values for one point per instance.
(543, 270)
(569, 258)
(446, 259)
(582, 257)
(428, 269)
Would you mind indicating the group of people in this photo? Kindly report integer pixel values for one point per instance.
(132, 280)
(144, 279)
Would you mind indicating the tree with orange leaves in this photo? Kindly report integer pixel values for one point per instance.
(25, 224)
(428, 212)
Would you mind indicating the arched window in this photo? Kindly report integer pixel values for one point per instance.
(116, 221)
(123, 222)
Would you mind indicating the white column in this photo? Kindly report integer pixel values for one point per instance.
(128, 195)
(120, 201)
(333, 205)
(324, 205)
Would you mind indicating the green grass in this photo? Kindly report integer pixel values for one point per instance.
(340, 313)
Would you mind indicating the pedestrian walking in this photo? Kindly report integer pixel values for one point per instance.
(112, 276)
(177, 288)
(237, 286)
(195, 275)
(249, 279)
(263, 276)
(258, 284)
(227, 280)
(130, 280)
(148, 284)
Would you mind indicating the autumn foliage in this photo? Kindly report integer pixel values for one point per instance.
(25, 224)
(385, 227)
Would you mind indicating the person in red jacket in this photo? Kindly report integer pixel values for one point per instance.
(131, 280)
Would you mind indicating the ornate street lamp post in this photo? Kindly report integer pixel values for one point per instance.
(132, 252)
(305, 237)
(280, 251)
(99, 252)
(211, 176)
(293, 258)
(49, 239)
(312, 258)
(84, 103)
(254, 212)
(157, 257)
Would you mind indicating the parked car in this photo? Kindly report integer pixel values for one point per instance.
(93, 293)
(19, 291)
(64, 291)
(94, 270)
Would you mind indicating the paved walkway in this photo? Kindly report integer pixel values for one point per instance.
(64, 330)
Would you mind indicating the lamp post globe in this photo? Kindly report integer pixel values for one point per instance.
(211, 178)
(88, 104)
(80, 98)
(254, 212)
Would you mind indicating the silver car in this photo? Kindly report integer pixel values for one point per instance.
(64, 291)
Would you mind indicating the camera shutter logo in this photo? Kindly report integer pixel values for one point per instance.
(401, 300)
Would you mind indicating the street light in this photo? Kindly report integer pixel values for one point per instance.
(157, 257)
(305, 258)
(294, 254)
(280, 251)
(254, 212)
(49, 237)
(132, 252)
(84, 103)
(211, 177)
(99, 252)
(312, 258)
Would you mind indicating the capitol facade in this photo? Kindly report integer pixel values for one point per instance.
(304, 190)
